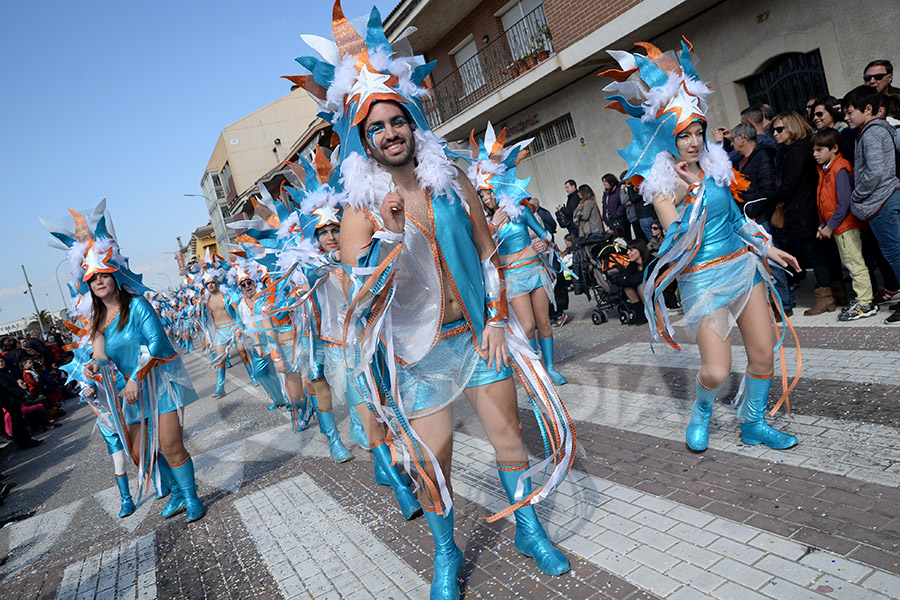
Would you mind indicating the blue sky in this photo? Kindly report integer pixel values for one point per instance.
(125, 100)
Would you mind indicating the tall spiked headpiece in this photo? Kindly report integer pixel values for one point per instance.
(662, 94)
(352, 73)
(490, 157)
(92, 249)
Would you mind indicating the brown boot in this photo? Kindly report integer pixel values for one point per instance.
(839, 292)
(824, 302)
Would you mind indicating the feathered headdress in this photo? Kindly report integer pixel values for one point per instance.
(213, 267)
(92, 249)
(494, 167)
(490, 157)
(663, 95)
(348, 77)
(321, 197)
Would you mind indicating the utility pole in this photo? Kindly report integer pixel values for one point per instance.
(37, 313)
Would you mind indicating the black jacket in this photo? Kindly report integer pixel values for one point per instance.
(759, 169)
(569, 210)
(797, 179)
(9, 388)
(546, 219)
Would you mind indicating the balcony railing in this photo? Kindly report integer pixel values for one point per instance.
(521, 47)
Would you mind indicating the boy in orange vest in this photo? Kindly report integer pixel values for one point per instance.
(833, 198)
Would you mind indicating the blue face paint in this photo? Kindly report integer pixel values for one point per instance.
(371, 131)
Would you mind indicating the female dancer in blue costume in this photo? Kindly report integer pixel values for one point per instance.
(125, 329)
(529, 280)
(719, 256)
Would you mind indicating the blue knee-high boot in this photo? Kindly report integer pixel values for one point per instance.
(409, 505)
(227, 360)
(547, 357)
(448, 558)
(127, 503)
(176, 500)
(531, 539)
(187, 485)
(314, 400)
(357, 431)
(220, 383)
(335, 446)
(163, 490)
(696, 436)
(265, 374)
(754, 429)
(252, 376)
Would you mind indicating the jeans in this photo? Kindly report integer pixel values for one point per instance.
(780, 276)
(886, 227)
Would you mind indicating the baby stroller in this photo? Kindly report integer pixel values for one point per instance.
(596, 258)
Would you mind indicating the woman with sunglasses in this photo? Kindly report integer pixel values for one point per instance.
(718, 255)
(827, 113)
(797, 179)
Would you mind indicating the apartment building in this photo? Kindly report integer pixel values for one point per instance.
(531, 65)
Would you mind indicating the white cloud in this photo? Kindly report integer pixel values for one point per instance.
(14, 291)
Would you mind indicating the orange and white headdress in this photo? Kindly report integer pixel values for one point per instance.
(92, 249)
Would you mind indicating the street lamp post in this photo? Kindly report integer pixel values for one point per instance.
(37, 313)
(56, 273)
(167, 279)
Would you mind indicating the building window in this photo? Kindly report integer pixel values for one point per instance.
(469, 67)
(553, 134)
(525, 26)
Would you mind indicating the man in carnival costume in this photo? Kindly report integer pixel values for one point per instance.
(129, 357)
(427, 309)
(251, 278)
(721, 258)
(530, 279)
(217, 315)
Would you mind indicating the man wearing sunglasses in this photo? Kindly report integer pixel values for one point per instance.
(879, 74)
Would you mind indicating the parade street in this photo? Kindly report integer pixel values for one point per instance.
(639, 515)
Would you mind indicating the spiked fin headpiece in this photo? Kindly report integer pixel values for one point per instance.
(663, 96)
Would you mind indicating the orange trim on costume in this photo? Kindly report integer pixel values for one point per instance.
(152, 364)
(715, 261)
(182, 463)
(510, 468)
(516, 265)
(449, 333)
(760, 376)
(707, 388)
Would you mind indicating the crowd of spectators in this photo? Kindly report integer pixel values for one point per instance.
(825, 185)
(32, 389)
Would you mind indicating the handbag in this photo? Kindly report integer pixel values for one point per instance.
(777, 219)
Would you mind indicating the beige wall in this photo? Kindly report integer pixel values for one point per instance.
(247, 143)
(730, 45)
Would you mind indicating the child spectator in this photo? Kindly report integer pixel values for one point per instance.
(833, 198)
(876, 197)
